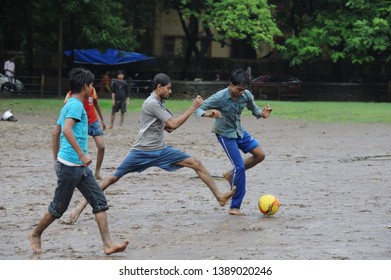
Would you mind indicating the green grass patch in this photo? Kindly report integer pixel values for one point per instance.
(357, 112)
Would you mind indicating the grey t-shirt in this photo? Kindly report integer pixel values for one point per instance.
(153, 118)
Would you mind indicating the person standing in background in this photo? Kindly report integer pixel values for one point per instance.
(9, 69)
(120, 97)
(105, 84)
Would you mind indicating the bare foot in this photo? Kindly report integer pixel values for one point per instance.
(35, 242)
(110, 127)
(98, 177)
(228, 177)
(116, 248)
(234, 211)
(227, 196)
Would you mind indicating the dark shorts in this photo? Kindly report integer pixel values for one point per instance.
(94, 129)
(69, 178)
(119, 105)
(138, 161)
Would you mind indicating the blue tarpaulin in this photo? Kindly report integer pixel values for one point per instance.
(108, 57)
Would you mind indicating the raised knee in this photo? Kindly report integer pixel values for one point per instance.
(195, 163)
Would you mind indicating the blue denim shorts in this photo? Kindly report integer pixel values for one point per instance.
(94, 129)
(138, 161)
(69, 178)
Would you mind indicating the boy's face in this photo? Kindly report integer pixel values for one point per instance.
(238, 90)
(120, 76)
(163, 91)
(87, 89)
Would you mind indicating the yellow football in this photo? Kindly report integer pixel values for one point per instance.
(268, 204)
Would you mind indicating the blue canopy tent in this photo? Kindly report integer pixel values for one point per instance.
(108, 57)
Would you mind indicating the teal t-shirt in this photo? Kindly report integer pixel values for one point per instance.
(73, 109)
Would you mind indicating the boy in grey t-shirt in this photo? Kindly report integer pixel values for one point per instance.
(153, 118)
(150, 148)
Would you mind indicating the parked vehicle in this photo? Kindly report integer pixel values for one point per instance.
(276, 87)
(7, 86)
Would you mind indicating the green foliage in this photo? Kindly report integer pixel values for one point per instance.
(356, 30)
(102, 24)
(85, 24)
(233, 19)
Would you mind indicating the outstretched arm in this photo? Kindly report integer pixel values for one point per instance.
(174, 123)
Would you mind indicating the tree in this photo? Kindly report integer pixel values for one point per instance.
(354, 31)
(39, 25)
(98, 23)
(222, 21)
(47, 27)
(141, 16)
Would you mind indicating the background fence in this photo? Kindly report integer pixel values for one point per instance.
(47, 87)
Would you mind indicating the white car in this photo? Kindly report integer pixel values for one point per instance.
(7, 86)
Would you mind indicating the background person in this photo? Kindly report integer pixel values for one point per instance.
(120, 97)
(105, 84)
(9, 69)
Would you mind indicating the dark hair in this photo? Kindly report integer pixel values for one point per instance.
(78, 77)
(120, 72)
(161, 79)
(240, 77)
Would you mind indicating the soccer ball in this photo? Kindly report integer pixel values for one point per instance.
(268, 204)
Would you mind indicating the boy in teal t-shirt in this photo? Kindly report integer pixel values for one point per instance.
(73, 109)
(69, 146)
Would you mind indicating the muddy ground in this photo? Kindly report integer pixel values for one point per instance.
(333, 182)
